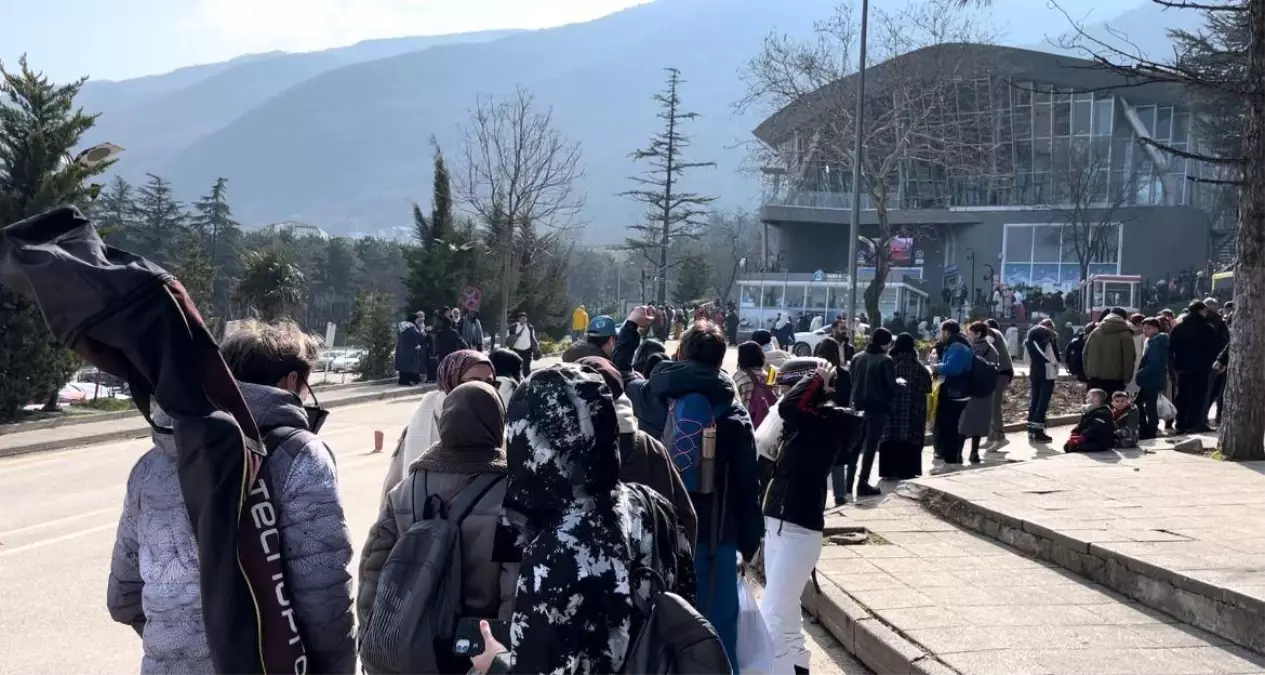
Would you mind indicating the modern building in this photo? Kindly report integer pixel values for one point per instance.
(1035, 166)
(297, 229)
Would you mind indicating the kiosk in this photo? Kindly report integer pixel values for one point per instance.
(1104, 291)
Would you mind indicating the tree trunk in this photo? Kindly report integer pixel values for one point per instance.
(1243, 429)
(51, 404)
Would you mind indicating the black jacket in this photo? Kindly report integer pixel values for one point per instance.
(650, 409)
(816, 432)
(1221, 328)
(735, 451)
(1193, 344)
(1034, 344)
(873, 380)
(447, 340)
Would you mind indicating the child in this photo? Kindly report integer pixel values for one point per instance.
(1096, 429)
(1125, 415)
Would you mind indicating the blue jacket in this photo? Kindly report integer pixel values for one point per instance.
(1153, 369)
(955, 367)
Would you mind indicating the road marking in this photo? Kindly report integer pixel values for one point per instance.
(55, 540)
(58, 521)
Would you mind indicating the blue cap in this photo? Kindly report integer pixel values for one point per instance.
(602, 326)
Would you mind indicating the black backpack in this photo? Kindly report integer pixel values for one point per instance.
(418, 600)
(1074, 356)
(673, 638)
(982, 380)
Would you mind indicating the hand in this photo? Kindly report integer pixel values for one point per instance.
(825, 373)
(642, 315)
(491, 648)
(1218, 367)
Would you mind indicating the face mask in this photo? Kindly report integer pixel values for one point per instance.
(316, 415)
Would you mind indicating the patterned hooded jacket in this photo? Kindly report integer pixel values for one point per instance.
(582, 531)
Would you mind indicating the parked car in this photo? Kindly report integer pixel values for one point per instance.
(805, 342)
(348, 362)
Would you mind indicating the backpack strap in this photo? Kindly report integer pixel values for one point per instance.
(470, 496)
(276, 437)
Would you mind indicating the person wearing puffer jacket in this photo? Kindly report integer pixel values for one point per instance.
(1152, 377)
(154, 574)
(1109, 353)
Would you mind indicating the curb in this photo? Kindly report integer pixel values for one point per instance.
(88, 418)
(873, 642)
(143, 431)
(1220, 611)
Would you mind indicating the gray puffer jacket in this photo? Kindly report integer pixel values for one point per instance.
(153, 583)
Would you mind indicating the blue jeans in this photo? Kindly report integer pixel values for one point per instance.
(718, 597)
(1039, 393)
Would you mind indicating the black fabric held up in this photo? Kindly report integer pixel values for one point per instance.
(129, 317)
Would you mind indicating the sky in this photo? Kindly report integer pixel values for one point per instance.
(119, 39)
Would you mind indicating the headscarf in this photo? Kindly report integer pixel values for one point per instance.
(455, 365)
(609, 374)
(471, 433)
(904, 345)
(583, 532)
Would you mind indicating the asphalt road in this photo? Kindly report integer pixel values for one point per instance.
(57, 530)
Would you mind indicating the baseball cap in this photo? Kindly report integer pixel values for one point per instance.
(602, 326)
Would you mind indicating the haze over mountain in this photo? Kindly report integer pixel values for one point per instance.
(339, 138)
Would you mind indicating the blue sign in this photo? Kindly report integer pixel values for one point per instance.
(950, 270)
(819, 275)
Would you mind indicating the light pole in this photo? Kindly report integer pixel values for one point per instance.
(856, 167)
(970, 255)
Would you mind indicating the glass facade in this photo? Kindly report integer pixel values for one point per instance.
(1048, 256)
(1028, 144)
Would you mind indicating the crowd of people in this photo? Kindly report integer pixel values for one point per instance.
(552, 506)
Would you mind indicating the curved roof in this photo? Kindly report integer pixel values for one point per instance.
(979, 60)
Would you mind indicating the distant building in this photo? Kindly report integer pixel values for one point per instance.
(1008, 214)
(297, 229)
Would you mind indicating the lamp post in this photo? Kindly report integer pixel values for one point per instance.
(970, 255)
(856, 167)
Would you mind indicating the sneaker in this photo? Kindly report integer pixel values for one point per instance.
(1042, 437)
(867, 490)
(975, 457)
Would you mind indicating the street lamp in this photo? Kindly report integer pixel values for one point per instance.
(856, 166)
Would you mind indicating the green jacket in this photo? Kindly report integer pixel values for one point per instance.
(1110, 351)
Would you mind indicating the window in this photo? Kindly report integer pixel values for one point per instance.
(1018, 243)
(1054, 263)
(1022, 93)
(1062, 117)
(1046, 243)
(1023, 156)
(1104, 114)
(1041, 155)
(1164, 124)
(1041, 117)
(1023, 122)
(1147, 114)
(1181, 126)
(817, 296)
(1082, 112)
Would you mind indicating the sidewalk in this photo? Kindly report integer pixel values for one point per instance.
(927, 594)
(134, 426)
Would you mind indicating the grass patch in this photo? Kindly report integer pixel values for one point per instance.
(107, 404)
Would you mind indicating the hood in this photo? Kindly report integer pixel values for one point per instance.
(678, 378)
(1113, 324)
(582, 349)
(563, 445)
(271, 407)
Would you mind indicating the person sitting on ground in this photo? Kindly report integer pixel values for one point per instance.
(599, 341)
(1096, 429)
(581, 531)
(773, 356)
(508, 370)
(471, 444)
(1125, 416)
(422, 431)
(153, 585)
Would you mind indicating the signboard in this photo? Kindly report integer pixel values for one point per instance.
(819, 275)
(471, 298)
(331, 329)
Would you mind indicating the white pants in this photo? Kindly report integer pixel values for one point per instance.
(790, 554)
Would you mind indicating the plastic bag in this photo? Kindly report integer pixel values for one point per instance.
(768, 437)
(755, 643)
(933, 400)
(1165, 408)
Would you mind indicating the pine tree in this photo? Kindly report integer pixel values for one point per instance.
(372, 328)
(114, 213)
(693, 281)
(161, 220)
(672, 213)
(213, 220)
(441, 248)
(39, 129)
(193, 269)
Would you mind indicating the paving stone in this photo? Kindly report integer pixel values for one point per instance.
(880, 599)
(914, 618)
(1225, 660)
(1176, 635)
(972, 638)
(1028, 615)
(1099, 661)
(865, 582)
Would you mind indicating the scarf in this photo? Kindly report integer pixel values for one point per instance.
(455, 365)
(584, 531)
(471, 433)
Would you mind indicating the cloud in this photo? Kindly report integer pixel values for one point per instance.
(306, 25)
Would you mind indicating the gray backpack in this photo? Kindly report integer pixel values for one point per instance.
(419, 599)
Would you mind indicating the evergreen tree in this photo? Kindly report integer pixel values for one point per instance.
(213, 220)
(441, 248)
(39, 129)
(193, 269)
(693, 281)
(160, 219)
(333, 282)
(672, 213)
(114, 213)
(272, 287)
(372, 328)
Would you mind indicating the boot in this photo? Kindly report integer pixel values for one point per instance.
(863, 487)
(1039, 434)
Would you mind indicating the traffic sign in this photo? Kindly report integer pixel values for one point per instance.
(471, 298)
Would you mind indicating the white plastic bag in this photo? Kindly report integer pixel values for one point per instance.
(1165, 408)
(755, 643)
(768, 436)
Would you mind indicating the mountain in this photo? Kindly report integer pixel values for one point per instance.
(345, 145)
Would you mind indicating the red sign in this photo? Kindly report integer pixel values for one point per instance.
(471, 298)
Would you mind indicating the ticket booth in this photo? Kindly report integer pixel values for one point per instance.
(1105, 291)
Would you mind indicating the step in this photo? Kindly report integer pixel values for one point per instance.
(1182, 534)
(927, 596)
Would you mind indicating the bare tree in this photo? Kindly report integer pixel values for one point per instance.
(519, 173)
(920, 112)
(672, 213)
(1085, 203)
(730, 241)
